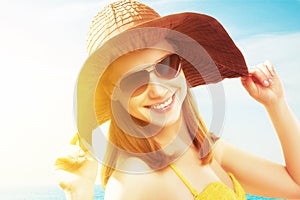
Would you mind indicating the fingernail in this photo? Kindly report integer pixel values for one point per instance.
(270, 81)
(266, 83)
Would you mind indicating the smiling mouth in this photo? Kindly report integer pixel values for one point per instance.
(164, 106)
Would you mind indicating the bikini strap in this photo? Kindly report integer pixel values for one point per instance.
(179, 174)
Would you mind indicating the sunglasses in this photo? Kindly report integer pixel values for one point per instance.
(166, 68)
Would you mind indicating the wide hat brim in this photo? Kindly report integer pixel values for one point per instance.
(209, 55)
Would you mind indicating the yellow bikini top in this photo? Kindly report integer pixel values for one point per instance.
(215, 190)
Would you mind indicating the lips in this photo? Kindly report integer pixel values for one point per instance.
(164, 106)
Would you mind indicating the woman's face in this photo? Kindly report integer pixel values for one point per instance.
(153, 99)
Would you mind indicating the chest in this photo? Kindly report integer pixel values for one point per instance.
(193, 175)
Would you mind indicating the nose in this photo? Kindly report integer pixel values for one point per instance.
(155, 88)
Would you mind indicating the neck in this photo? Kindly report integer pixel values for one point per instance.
(174, 138)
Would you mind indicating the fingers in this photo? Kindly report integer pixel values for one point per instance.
(263, 73)
(76, 141)
(270, 67)
(71, 158)
(248, 83)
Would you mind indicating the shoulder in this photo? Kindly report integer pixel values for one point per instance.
(219, 150)
(226, 153)
(133, 180)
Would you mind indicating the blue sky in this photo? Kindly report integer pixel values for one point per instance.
(243, 18)
(43, 48)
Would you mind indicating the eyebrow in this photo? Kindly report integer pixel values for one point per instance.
(139, 68)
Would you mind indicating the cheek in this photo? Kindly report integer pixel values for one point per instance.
(184, 91)
(135, 109)
(180, 84)
(131, 107)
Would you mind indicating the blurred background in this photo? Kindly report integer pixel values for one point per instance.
(42, 49)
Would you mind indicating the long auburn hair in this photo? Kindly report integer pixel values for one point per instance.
(201, 138)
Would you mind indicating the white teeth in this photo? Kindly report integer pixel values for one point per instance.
(165, 104)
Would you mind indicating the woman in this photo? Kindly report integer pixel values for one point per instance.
(138, 76)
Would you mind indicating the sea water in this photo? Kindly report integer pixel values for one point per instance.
(55, 193)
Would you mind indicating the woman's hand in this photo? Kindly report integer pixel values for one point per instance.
(75, 171)
(263, 84)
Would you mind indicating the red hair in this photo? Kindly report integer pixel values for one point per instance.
(197, 130)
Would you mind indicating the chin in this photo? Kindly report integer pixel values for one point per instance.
(166, 120)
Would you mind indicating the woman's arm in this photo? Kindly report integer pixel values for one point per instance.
(283, 119)
(288, 131)
(75, 171)
(259, 176)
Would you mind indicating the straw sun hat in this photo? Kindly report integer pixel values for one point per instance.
(209, 54)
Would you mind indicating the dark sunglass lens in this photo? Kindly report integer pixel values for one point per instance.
(134, 81)
(168, 67)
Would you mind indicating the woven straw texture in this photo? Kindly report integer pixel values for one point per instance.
(116, 18)
(209, 53)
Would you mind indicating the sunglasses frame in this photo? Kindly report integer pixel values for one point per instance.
(149, 69)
